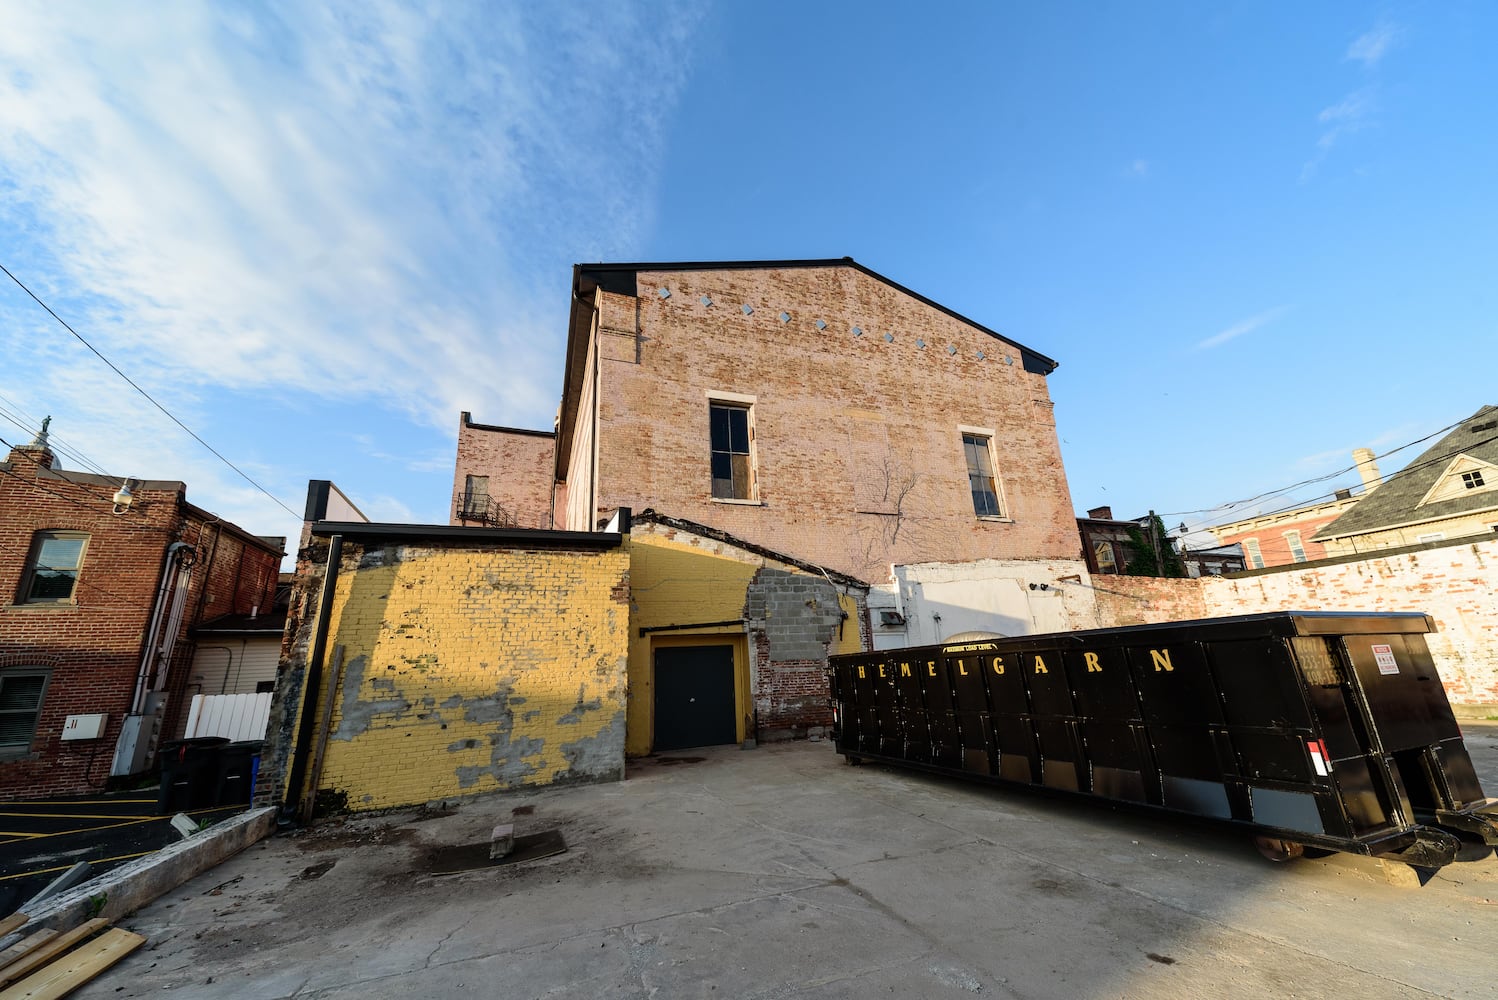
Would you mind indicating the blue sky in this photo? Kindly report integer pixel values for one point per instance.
(1256, 236)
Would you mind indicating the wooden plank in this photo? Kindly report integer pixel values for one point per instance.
(320, 737)
(48, 951)
(11, 922)
(72, 971)
(31, 942)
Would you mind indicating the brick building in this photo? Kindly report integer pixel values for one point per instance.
(1289, 536)
(815, 410)
(101, 586)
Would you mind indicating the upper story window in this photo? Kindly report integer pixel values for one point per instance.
(1103, 553)
(980, 478)
(20, 705)
(732, 433)
(1251, 549)
(52, 569)
(1297, 550)
(1472, 480)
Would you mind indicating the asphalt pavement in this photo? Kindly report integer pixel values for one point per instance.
(42, 838)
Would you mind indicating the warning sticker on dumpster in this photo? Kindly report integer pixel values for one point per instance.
(1385, 657)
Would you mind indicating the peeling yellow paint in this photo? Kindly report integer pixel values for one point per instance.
(467, 671)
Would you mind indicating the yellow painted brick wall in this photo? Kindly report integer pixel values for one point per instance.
(679, 578)
(468, 671)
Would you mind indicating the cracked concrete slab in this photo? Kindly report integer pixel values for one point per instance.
(781, 872)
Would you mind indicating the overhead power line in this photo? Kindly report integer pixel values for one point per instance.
(172, 417)
(1312, 481)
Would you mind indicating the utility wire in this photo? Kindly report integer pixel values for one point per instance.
(1438, 460)
(243, 475)
(36, 486)
(1316, 479)
(15, 410)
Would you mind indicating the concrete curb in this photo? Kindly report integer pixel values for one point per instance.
(134, 884)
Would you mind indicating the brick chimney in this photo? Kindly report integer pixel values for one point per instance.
(1367, 468)
(1101, 513)
(38, 452)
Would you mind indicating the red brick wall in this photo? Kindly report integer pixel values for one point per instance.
(837, 418)
(93, 646)
(519, 467)
(1272, 544)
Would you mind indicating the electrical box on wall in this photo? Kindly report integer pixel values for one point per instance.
(84, 727)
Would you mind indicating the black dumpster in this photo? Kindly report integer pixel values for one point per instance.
(237, 765)
(188, 772)
(1312, 729)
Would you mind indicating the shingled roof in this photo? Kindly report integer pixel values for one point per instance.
(1398, 502)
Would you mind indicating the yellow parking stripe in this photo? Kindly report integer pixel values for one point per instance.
(18, 833)
(63, 815)
(63, 868)
(111, 826)
(78, 802)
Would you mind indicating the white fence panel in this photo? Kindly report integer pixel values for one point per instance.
(233, 716)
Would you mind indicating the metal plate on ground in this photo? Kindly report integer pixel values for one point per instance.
(475, 857)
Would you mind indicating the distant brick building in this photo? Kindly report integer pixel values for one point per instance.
(99, 597)
(816, 410)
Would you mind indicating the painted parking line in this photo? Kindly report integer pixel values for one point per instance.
(62, 815)
(18, 833)
(63, 868)
(134, 821)
(79, 802)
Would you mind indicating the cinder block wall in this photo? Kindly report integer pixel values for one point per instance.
(859, 456)
(465, 669)
(1453, 582)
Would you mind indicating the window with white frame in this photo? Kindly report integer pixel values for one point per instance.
(1297, 550)
(51, 575)
(1473, 480)
(731, 432)
(1103, 553)
(21, 691)
(978, 448)
(1251, 549)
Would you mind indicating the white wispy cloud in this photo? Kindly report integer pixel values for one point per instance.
(1371, 46)
(1239, 329)
(1139, 168)
(1353, 113)
(345, 204)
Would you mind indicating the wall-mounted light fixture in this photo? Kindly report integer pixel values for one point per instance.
(123, 498)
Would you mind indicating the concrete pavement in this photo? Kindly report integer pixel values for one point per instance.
(781, 872)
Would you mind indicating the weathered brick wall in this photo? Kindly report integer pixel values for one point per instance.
(466, 668)
(1454, 583)
(859, 456)
(518, 464)
(682, 578)
(795, 620)
(1143, 600)
(93, 646)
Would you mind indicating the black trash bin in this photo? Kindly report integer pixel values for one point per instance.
(188, 770)
(235, 780)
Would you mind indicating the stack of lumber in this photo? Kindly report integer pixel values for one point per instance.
(46, 964)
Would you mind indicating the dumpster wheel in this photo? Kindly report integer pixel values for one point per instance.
(1278, 850)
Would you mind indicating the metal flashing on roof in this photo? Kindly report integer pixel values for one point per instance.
(468, 421)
